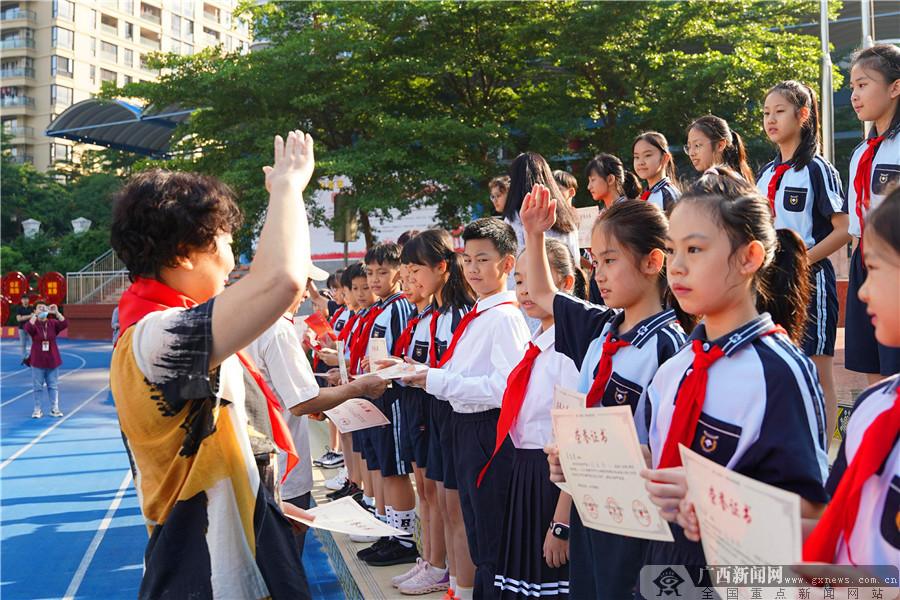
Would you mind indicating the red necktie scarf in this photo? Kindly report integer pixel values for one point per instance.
(347, 328)
(145, 296)
(360, 341)
(402, 345)
(688, 405)
(513, 398)
(862, 184)
(604, 370)
(840, 516)
(645, 195)
(780, 170)
(331, 322)
(468, 318)
(432, 351)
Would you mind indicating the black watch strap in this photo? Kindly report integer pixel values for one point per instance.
(560, 530)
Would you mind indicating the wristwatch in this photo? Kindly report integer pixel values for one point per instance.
(560, 530)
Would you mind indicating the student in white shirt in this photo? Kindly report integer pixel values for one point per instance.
(472, 378)
(534, 549)
(617, 349)
(653, 162)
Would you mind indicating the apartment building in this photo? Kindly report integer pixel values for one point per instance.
(56, 53)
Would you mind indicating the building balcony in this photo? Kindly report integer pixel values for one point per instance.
(19, 132)
(20, 72)
(151, 17)
(18, 13)
(16, 43)
(148, 43)
(21, 159)
(10, 101)
(109, 56)
(109, 29)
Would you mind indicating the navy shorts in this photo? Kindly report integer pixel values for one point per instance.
(415, 414)
(822, 312)
(388, 437)
(365, 442)
(440, 446)
(862, 352)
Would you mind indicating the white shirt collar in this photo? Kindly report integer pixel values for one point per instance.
(495, 299)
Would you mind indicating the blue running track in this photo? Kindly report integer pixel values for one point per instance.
(70, 524)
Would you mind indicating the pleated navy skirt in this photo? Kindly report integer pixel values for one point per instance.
(522, 571)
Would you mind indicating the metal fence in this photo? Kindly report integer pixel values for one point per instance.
(101, 281)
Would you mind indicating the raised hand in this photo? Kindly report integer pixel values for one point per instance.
(294, 161)
(538, 212)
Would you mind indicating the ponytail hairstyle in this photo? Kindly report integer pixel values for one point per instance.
(562, 264)
(641, 228)
(782, 281)
(526, 170)
(734, 156)
(802, 96)
(604, 165)
(884, 59)
(884, 221)
(334, 280)
(429, 249)
(658, 141)
(501, 181)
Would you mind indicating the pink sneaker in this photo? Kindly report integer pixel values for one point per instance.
(425, 581)
(396, 581)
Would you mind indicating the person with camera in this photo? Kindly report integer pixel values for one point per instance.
(44, 358)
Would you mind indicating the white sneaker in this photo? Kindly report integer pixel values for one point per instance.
(37, 414)
(338, 481)
(396, 581)
(363, 539)
(425, 581)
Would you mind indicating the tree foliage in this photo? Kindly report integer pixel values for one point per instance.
(423, 102)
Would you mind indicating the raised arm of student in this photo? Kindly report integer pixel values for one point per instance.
(278, 273)
(538, 214)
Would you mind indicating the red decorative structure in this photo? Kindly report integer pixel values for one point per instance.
(53, 287)
(15, 285)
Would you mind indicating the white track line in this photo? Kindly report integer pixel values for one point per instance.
(63, 376)
(49, 429)
(98, 537)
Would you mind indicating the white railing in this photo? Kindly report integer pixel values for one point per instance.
(101, 281)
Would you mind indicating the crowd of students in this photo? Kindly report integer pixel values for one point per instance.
(710, 310)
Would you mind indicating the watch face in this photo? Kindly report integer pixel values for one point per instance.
(561, 532)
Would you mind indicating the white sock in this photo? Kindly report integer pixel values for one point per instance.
(406, 521)
(369, 500)
(453, 582)
(463, 593)
(389, 510)
(437, 570)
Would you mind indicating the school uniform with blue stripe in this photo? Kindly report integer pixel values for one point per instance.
(664, 194)
(362, 438)
(876, 534)
(440, 441)
(862, 351)
(531, 503)
(389, 324)
(415, 403)
(804, 203)
(581, 330)
(763, 416)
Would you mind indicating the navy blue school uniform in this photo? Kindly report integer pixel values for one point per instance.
(415, 403)
(664, 194)
(862, 351)
(440, 442)
(389, 324)
(805, 201)
(522, 571)
(362, 439)
(581, 330)
(763, 417)
(876, 534)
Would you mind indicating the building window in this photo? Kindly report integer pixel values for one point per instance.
(107, 75)
(126, 6)
(60, 152)
(126, 79)
(128, 58)
(109, 51)
(93, 73)
(93, 46)
(175, 30)
(60, 95)
(61, 66)
(129, 31)
(187, 31)
(64, 9)
(63, 38)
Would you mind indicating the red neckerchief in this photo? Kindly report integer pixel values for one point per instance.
(840, 515)
(645, 195)
(468, 318)
(358, 349)
(401, 347)
(780, 170)
(145, 296)
(862, 184)
(604, 370)
(432, 351)
(689, 402)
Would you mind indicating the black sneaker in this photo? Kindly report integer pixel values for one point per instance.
(373, 549)
(349, 490)
(334, 495)
(393, 553)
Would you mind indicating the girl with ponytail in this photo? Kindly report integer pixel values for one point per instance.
(874, 172)
(710, 141)
(740, 393)
(653, 162)
(609, 182)
(436, 269)
(617, 349)
(805, 194)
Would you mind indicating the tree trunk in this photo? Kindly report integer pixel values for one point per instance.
(367, 228)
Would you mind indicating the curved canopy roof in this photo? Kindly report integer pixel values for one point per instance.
(119, 125)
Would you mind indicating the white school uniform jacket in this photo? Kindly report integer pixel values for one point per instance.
(533, 428)
(474, 378)
(805, 199)
(876, 533)
(342, 320)
(392, 320)
(764, 413)
(885, 175)
(664, 194)
(448, 319)
(581, 330)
